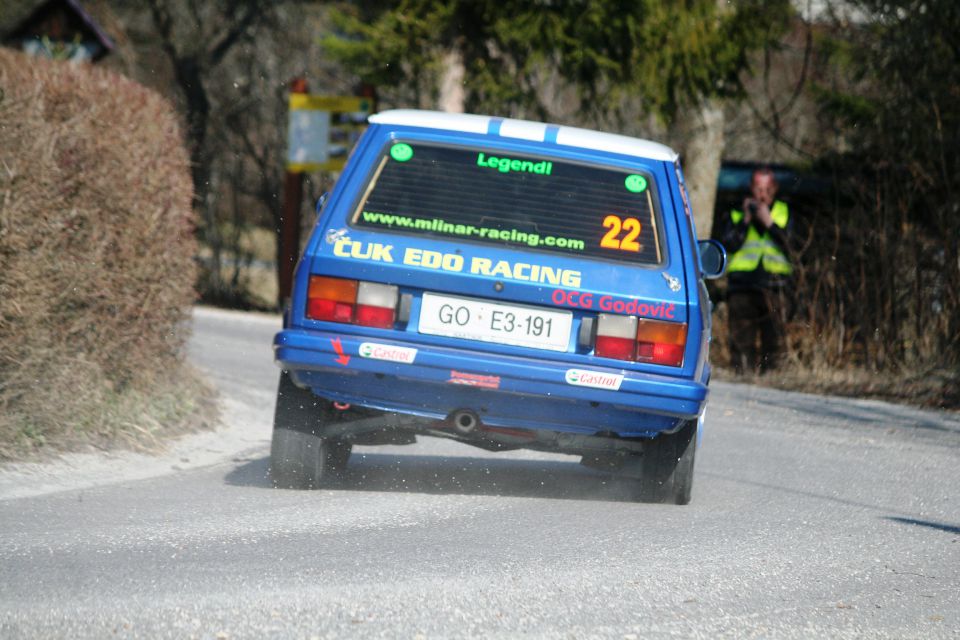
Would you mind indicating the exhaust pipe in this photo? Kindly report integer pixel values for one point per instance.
(465, 421)
(341, 406)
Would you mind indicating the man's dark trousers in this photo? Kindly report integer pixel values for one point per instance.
(757, 317)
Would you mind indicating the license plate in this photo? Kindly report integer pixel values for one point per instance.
(494, 322)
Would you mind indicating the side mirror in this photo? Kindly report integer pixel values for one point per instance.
(320, 201)
(713, 259)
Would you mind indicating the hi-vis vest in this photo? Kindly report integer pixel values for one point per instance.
(760, 249)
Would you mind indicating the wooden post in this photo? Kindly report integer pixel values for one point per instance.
(290, 222)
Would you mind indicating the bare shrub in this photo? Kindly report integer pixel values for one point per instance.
(96, 255)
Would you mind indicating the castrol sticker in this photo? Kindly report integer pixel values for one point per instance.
(387, 352)
(594, 379)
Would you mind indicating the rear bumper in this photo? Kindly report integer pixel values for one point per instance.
(505, 391)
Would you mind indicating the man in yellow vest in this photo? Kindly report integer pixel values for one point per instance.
(757, 239)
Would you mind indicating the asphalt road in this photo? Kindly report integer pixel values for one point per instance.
(812, 517)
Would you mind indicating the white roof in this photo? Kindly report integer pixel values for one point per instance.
(527, 130)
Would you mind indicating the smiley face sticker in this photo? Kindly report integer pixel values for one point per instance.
(635, 183)
(401, 152)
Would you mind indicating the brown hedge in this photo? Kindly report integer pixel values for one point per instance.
(96, 251)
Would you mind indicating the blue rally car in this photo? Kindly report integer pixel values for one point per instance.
(505, 283)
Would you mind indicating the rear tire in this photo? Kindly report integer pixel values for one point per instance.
(667, 466)
(300, 457)
(297, 459)
(338, 455)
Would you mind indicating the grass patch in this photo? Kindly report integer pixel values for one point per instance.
(106, 418)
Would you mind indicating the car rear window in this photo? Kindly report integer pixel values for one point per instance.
(511, 199)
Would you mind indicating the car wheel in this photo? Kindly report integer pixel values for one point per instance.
(338, 455)
(300, 458)
(667, 466)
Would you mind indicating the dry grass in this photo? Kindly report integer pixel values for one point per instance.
(134, 419)
(96, 260)
(807, 370)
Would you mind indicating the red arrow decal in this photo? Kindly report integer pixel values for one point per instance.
(338, 347)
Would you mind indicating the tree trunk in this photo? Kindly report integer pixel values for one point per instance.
(452, 95)
(699, 132)
(189, 76)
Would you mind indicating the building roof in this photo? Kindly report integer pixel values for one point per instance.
(14, 14)
(527, 130)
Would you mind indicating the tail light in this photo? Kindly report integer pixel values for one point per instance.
(640, 340)
(369, 304)
(616, 337)
(661, 342)
(331, 299)
(376, 305)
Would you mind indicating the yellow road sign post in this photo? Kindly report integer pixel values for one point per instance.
(323, 129)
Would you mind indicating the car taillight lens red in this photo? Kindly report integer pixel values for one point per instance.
(375, 317)
(330, 310)
(668, 354)
(370, 304)
(638, 340)
(619, 348)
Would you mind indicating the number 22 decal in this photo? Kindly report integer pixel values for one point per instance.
(615, 225)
